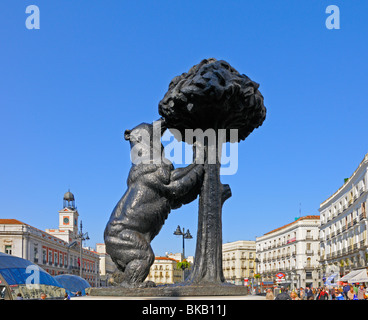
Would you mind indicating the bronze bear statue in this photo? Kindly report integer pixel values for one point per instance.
(153, 190)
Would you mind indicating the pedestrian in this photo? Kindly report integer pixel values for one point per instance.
(283, 295)
(323, 295)
(309, 293)
(361, 293)
(302, 294)
(340, 296)
(43, 296)
(66, 296)
(314, 292)
(294, 296)
(333, 294)
(351, 294)
(346, 289)
(355, 289)
(19, 296)
(270, 295)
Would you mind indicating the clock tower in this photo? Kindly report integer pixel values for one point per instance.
(68, 216)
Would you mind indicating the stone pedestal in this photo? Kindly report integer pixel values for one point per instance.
(172, 291)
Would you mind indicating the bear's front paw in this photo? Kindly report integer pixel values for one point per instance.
(199, 169)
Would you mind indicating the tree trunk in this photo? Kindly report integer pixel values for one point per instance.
(208, 256)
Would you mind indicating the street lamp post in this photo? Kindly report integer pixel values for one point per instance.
(82, 236)
(186, 235)
(258, 275)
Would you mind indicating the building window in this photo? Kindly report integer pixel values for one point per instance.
(8, 249)
(35, 253)
(44, 256)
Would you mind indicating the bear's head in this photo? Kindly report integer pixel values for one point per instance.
(145, 142)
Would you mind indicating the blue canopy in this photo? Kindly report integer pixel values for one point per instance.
(18, 271)
(72, 284)
(330, 279)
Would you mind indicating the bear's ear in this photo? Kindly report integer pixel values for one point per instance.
(127, 134)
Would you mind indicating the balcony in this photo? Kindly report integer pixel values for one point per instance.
(309, 252)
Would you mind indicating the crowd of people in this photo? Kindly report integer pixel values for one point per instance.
(345, 292)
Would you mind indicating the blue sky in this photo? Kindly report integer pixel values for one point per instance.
(95, 68)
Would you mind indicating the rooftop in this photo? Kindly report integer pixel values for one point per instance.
(311, 217)
(165, 258)
(361, 164)
(10, 221)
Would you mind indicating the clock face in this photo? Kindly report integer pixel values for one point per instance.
(66, 220)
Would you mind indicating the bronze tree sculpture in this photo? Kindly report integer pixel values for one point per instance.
(212, 95)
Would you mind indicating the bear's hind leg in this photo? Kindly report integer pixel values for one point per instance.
(137, 270)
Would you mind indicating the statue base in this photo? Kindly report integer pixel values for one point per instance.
(173, 290)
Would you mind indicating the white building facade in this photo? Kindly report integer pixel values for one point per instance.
(51, 249)
(343, 231)
(164, 270)
(238, 261)
(107, 266)
(291, 251)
